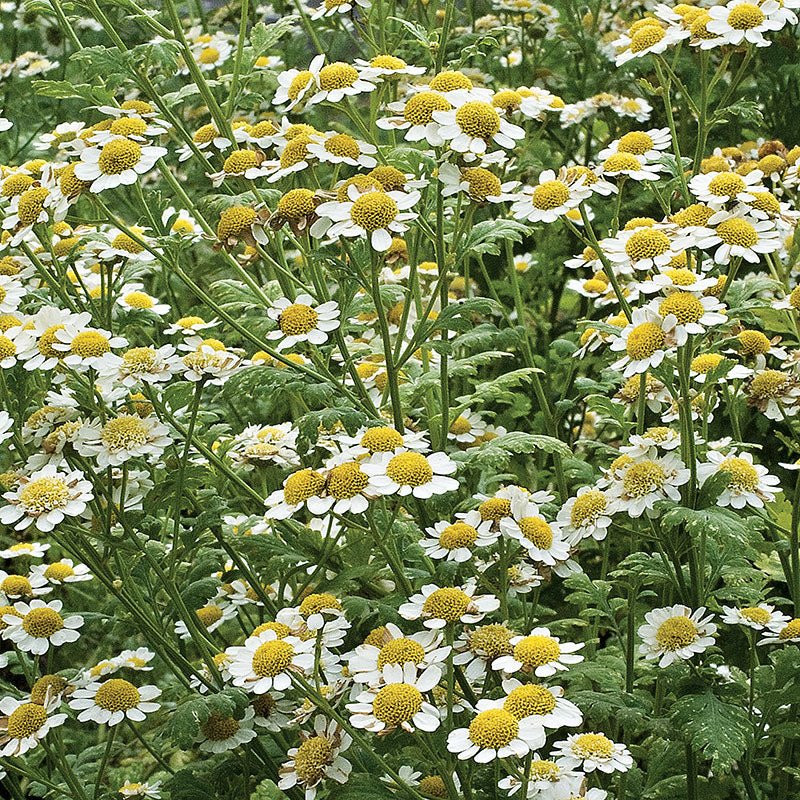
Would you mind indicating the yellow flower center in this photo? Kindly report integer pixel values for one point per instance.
(295, 151)
(737, 231)
(621, 162)
(745, 16)
(373, 210)
(545, 771)
(281, 630)
(647, 243)
(460, 426)
(47, 686)
(117, 695)
(299, 82)
(433, 786)
(272, 658)
(683, 305)
(494, 728)
(705, 362)
(128, 126)
(296, 204)
(337, 76)
(791, 630)
(386, 61)
(726, 184)
(478, 119)
(752, 343)
(234, 221)
(240, 161)
(536, 651)
(401, 651)
(646, 37)
(45, 494)
(492, 640)
(643, 478)
(636, 142)
(7, 348)
(16, 586)
(409, 469)
(794, 298)
(495, 509)
(396, 703)
(209, 55)
(766, 201)
(549, 195)
(139, 106)
(126, 243)
(769, 383)
(676, 632)
(219, 727)
(346, 480)
(31, 205)
(587, 508)
(17, 184)
(59, 571)
(458, 535)
(743, 475)
(448, 604)
(593, 745)
(381, 439)
(119, 155)
(756, 614)
(449, 81)
(315, 603)
(297, 320)
(124, 433)
(342, 145)
(529, 699)
(390, 178)
(90, 344)
(301, 485)
(482, 183)
(314, 754)
(644, 340)
(25, 720)
(208, 615)
(537, 530)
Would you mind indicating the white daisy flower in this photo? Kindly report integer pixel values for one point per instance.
(467, 428)
(741, 21)
(454, 541)
(210, 616)
(585, 516)
(552, 197)
(144, 789)
(473, 125)
(17, 587)
(627, 165)
(45, 497)
(330, 7)
(27, 549)
(675, 633)
(112, 701)
(495, 733)
(35, 626)
(679, 279)
(122, 438)
(409, 473)
(479, 184)
(385, 66)
(212, 53)
(336, 81)
(302, 321)
(62, 572)
(398, 702)
(11, 294)
(749, 485)
(647, 41)
(82, 347)
(138, 365)
(646, 144)
(646, 339)
(476, 649)
(545, 705)
(415, 117)
(539, 654)
(133, 297)
(549, 781)
(382, 439)
(24, 724)
(736, 236)
(592, 751)
(296, 85)
(757, 617)
(718, 188)
(694, 314)
(782, 632)
(341, 148)
(265, 662)
(14, 343)
(137, 659)
(210, 365)
(221, 732)
(438, 606)
(119, 162)
(639, 483)
(641, 248)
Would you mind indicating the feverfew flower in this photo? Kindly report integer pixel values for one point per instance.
(265, 661)
(454, 541)
(675, 633)
(112, 701)
(741, 21)
(757, 617)
(439, 606)
(24, 724)
(539, 654)
(119, 162)
(410, 473)
(591, 751)
(36, 626)
(302, 321)
(122, 438)
(749, 484)
(473, 125)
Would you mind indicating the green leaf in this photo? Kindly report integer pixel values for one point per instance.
(263, 37)
(488, 236)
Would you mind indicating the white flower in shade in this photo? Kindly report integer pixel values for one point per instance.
(319, 612)
(467, 428)
(82, 347)
(749, 484)
(137, 659)
(552, 197)
(338, 80)
(374, 215)
(144, 789)
(495, 733)
(732, 235)
(475, 649)
(410, 473)
(438, 606)
(651, 441)
(757, 617)
(545, 705)
(210, 365)
(478, 183)
(6, 423)
(122, 438)
(415, 116)
(398, 702)
(272, 711)
(112, 701)
(388, 645)
(627, 165)
(17, 587)
(471, 126)
(331, 7)
(386, 66)
(718, 188)
(27, 549)
(45, 497)
(645, 144)
(221, 732)
(782, 632)
(743, 22)
(138, 365)
(592, 751)
(675, 633)
(454, 541)
(5, 124)
(302, 321)
(265, 662)
(585, 516)
(24, 724)
(319, 755)
(61, 572)
(639, 483)
(119, 162)
(181, 223)
(36, 626)
(210, 616)
(646, 340)
(542, 539)
(382, 439)
(341, 148)
(132, 297)
(11, 293)
(539, 654)
(549, 781)
(303, 488)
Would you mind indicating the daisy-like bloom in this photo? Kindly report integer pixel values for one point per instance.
(265, 661)
(585, 516)
(409, 473)
(757, 617)
(11, 293)
(272, 711)
(737, 236)
(341, 148)
(440, 606)
(539, 654)
(552, 197)
(302, 321)
(296, 85)
(782, 632)
(35, 626)
(319, 612)
(181, 223)
(478, 183)
(389, 645)
(478, 648)
(706, 363)
(25, 723)
(331, 7)
(17, 587)
(454, 541)
(646, 339)
(495, 733)
(749, 485)
(82, 347)
(303, 488)
(45, 497)
(627, 165)
(31, 207)
(335, 81)
(647, 144)
(137, 659)
(415, 117)
(385, 66)
(208, 136)
(119, 162)
(210, 616)
(545, 705)
(212, 53)
(677, 279)
(641, 248)
(28, 549)
(694, 314)
(467, 428)
(134, 128)
(122, 438)
(549, 781)
(542, 539)
(221, 732)
(373, 214)
(473, 125)
(398, 701)
(639, 483)
(740, 21)
(138, 365)
(319, 755)
(210, 364)
(591, 751)
(675, 633)
(133, 297)
(647, 40)
(112, 701)
(718, 188)
(61, 572)
(382, 439)
(653, 439)
(143, 789)
(14, 342)
(247, 164)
